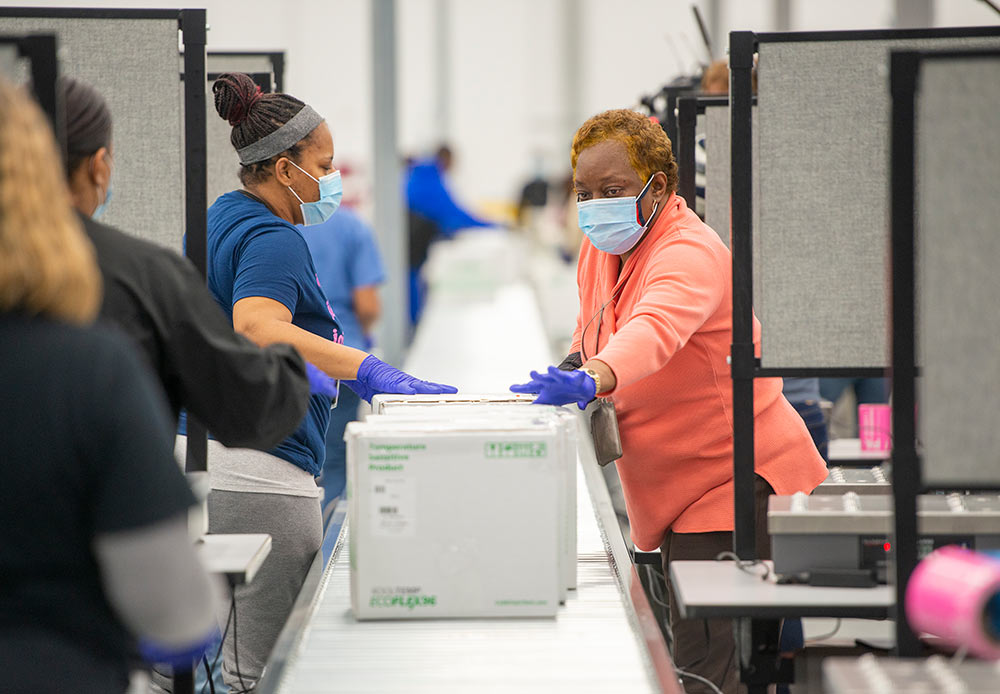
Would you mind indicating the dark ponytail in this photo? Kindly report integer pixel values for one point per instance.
(253, 115)
(88, 121)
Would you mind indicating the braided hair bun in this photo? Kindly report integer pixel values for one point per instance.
(235, 96)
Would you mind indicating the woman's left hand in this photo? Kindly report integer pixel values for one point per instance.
(557, 387)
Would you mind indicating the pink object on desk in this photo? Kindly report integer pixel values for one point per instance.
(875, 427)
(952, 595)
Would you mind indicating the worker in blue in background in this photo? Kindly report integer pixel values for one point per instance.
(433, 213)
(350, 269)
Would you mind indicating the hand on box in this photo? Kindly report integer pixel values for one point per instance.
(556, 387)
(375, 376)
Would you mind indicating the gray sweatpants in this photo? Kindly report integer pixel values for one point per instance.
(295, 525)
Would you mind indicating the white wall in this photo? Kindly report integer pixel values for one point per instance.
(508, 71)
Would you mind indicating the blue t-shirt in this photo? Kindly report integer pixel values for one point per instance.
(252, 252)
(346, 257)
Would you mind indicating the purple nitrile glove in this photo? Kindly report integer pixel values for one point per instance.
(177, 656)
(320, 383)
(558, 387)
(375, 376)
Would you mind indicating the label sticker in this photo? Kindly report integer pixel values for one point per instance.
(393, 506)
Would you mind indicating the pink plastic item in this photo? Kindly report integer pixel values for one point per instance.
(875, 427)
(949, 596)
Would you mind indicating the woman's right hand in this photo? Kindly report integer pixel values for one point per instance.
(375, 376)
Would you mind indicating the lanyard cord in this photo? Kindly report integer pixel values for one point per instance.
(600, 312)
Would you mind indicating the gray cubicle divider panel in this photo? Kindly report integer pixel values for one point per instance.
(133, 63)
(957, 248)
(717, 170)
(821, 220)
(222, 164)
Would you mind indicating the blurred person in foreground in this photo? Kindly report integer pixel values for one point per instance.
(95, 557)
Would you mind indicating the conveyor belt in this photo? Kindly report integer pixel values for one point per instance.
(604, 639)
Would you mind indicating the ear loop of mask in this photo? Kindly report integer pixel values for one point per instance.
(638, 206)
(301, 201)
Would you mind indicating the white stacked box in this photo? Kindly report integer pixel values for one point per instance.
(383, 401)
(505, 407)
(454, 518)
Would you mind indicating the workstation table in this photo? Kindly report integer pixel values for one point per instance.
(720, 589)
(849, 452)
(237, 557)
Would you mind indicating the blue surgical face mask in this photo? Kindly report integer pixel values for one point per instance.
(614, 225)
(100, 209)
(331, 190)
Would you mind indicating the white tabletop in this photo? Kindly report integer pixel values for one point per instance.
(239, 557)
(707, 589)
(841, 450)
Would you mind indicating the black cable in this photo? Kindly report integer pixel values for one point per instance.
(745, 565)
(222, 641)
(236, 652)
(994, 7)
(208, 674)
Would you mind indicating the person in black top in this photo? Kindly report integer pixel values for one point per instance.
(247, 396)
(95, 558)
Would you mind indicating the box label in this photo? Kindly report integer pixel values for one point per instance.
(393, 501)
(516, 449)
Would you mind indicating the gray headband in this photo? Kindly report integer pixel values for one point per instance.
(300, 125)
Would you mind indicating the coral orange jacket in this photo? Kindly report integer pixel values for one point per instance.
(665, 331)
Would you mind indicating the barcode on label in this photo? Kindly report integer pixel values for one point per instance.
(388, 510)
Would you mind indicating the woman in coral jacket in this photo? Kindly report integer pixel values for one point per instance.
(653, 335)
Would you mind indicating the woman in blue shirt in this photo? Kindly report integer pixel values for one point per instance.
(261, 273)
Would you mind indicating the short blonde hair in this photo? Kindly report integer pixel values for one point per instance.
(647, 145)
(48, 266)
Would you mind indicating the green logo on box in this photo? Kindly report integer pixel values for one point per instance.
(516, 449)
(408, 601)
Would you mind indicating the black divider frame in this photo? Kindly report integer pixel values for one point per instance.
(193, 26)
(905, 71)
(277, 59)
(41, 51)
(744, 364)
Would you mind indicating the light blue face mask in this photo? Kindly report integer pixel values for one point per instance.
(331, 190)
(614, 225)
(100, 209)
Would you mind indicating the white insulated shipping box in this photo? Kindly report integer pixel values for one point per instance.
(383, 401)
(493, 408)
(453, 521)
